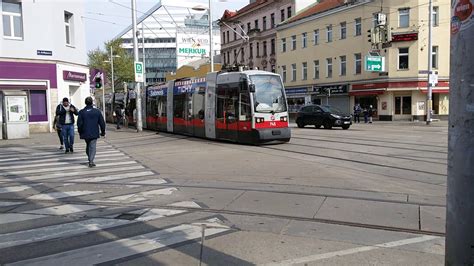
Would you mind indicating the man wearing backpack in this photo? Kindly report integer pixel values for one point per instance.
(66, 112)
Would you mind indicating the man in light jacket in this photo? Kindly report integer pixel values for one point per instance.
(89, 121)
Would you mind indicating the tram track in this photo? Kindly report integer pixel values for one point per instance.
(266, 215)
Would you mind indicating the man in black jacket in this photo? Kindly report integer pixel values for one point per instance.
(66, 113)
(88, 123)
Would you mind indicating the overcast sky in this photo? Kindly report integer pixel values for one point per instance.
(104, 19)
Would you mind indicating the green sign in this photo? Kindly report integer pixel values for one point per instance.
(374, 63)
(138, 72)
(192, 51)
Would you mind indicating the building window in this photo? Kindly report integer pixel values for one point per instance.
(37, 106)
(283, 73)
(289, 12)
(434, 57)
(375, 20)
(251, 50)
(68, 23)
(303, 39)
(403, 58)
(235, 55)
(283, 45)
(293, 72)
(273, 68)
(235, 34)
(272, 47)
(264, 48)
(264, 22)
(316, 69)
(248, 27)
(404, 18)
(342, 68)
(293, 42)
(242, 55)
(12, 20)
(228, 36)
(304, 71)
(358, 26)
(225, 58)
(228, 57)
(358, 63)
(315, 37)
(329, 33)
(258, 49)
(435, 17)
(272, 20)
(256, 24)
(282, 15)
(223, 37)
(343, 30)
(329, 67)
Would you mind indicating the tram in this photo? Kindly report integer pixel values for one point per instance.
(244, 107)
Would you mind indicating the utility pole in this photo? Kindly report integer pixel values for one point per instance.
(211, 45)
(135, 56)
(429, 109)
(460, 198)
(112, 68)
(143, 56)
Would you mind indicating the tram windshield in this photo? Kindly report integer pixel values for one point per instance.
(268, 96)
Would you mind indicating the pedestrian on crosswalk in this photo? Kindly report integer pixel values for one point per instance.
(66, 113)
(89, 121)
(57, 126)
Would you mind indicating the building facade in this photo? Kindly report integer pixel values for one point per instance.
(322, 54)
(248, 35)
(171, 34)
(44, 57)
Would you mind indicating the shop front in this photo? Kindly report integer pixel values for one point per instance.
(333, 95)
(297, 98)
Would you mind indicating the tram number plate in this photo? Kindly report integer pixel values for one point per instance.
(276, 132)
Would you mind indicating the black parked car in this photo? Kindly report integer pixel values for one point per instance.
(326, 116)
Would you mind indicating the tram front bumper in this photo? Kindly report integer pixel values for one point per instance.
(274, 134)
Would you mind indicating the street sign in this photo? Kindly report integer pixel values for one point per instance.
(374, 63)
(433, 79)
(139, 72)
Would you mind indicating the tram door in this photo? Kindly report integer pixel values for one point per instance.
(227, 112)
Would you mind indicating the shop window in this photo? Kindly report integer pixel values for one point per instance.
(37, 106)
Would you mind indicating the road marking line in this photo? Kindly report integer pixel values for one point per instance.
(59, 153)
(43, 170)
(64, 209)
(16, 188)
(140, 196)
(60, 195)
(61, 162)
(78, 173)
(56, 158)
(185, 204)
(350, 251)
(114, 177)
(126, 247)
(156, 181)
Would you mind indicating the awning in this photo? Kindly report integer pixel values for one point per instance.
(444, 91)
(23, 87)
(366, 93)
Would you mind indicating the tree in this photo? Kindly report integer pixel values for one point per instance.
(123, 65)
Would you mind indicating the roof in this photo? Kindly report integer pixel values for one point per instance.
(316, 8)
(229, 14)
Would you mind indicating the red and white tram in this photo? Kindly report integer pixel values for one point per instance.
(244, 107)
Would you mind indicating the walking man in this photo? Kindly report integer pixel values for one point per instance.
(88, 123)
(66, 113)
(371, 113)
(119, 115)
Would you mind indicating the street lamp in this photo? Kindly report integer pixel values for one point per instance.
(202, 8)
(111, 61)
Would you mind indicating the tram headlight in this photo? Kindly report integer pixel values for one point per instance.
(259, 119)
(284, 119)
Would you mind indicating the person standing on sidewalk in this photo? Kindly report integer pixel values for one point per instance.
(119, 115)
(66, 113)
(371, 113)
(88, 123)
(357, 111)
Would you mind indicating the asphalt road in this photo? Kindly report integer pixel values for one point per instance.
(373, 194)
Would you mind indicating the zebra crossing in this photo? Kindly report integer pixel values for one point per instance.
(48, 198)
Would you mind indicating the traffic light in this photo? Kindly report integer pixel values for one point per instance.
(98, 82)
(370, 35)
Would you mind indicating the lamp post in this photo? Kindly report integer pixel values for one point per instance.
(111, 61)
(211, 44)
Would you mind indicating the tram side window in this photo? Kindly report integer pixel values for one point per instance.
(161, 107)
(227, 102)
(245, 111)
(198, 105)
(178, 105)
(220, 102)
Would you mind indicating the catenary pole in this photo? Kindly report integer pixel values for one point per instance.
(135, 56)
(429, 109)
(460, 196)
(143, 55)
(211, 44)
(112, 68)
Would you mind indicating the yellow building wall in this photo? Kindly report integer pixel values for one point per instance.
(188, 71)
